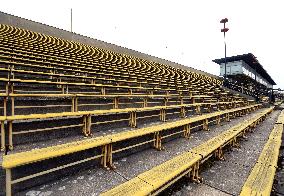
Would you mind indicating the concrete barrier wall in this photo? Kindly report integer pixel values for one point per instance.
(49, 30)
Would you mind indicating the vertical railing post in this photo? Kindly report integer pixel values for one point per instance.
(8, 182)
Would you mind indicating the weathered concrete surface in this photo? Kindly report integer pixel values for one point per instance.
(194, 189)
(230, 175)
(128, 167)
(49, 30)
(85, 183)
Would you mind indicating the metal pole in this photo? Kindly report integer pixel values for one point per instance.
(225, 52)
(8, 182)
(71, 20)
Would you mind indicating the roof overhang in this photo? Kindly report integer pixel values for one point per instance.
(251, 60)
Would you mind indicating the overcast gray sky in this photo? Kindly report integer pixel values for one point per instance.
(183, 31)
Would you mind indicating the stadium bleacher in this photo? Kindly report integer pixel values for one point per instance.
(162, 176)
(60, 98)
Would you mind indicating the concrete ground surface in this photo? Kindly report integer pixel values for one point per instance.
(228, 177)
(96, 180)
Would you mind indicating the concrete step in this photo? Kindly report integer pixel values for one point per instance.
(94, 180)
(227, 177)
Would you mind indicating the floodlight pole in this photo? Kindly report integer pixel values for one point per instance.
(225, 53)
(224, 30)
(71, 20)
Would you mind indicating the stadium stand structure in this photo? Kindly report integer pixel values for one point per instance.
(59, 99)
(246, 75)
(162, 176)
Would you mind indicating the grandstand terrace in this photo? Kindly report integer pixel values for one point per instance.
(83, 117)
(246, 75)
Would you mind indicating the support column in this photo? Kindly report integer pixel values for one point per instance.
(74, 107)
(219, 154)
(8, 182)
(190, 94)
(237, 113)
(195, 173)
(244, 132)
(103, 90)
(163, 115)
(234, 143)
(182, 112)
(181, 101)
(157, 141)
(5, 105)
(209, 108)
(145, 102)
(105, 156)
(234, 115)
(218, 120)
(13, 105)
(51, 71)
(227, 116)
(67, 89)
(76, 104)
(84, 125)
(166, 99)
(205, 125)
(10, 127)
(198, 109)
(133, 119)
(116, 103)
(9, 102)
(186, 129)
(254, 124)
(7, 88)
(89, 125)
(218, 106)
(2, 136)
(58, 80)
(87, 121)
(73, 104)
(62, 89)
(109, 156)
(167, 93)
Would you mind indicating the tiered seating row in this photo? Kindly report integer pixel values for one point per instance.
(13, 37)
(261, 178)
(79, 102)
(41, 68)
(87, 122)
(109, 144)
(162, 176)
(44, 78)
